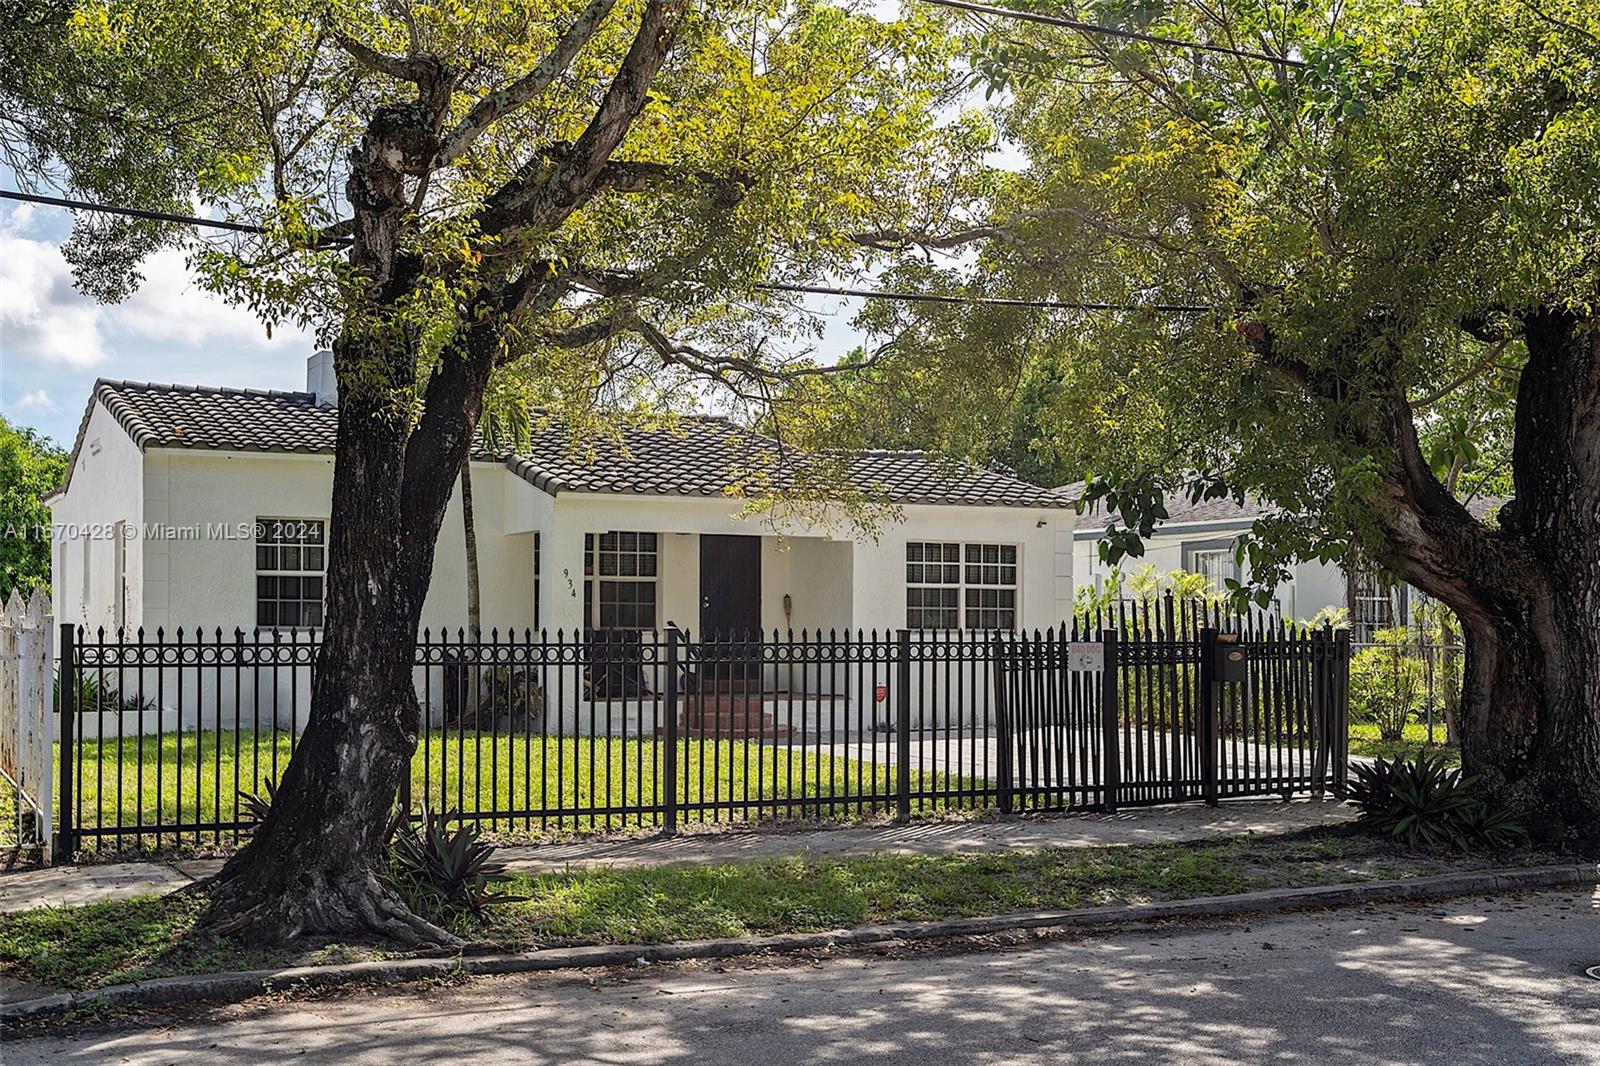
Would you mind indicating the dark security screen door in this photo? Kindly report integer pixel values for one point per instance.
(730, 586)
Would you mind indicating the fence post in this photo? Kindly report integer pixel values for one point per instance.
(66, 832)
(1110, 714)
(1002, 721)
(1321, 689)
(1208, 715)
(902, 730)
(670, 781)
(1339, 710)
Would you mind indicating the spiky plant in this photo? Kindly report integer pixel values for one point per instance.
(445, 869)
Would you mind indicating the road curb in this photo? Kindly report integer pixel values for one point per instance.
(230, 987)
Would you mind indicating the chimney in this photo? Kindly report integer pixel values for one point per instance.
(320, 379)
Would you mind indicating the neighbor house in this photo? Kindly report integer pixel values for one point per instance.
(190, 506)
(1203, 538)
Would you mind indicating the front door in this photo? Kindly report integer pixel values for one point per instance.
(730, 587)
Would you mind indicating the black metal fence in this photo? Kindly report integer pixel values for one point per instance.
(173, 741)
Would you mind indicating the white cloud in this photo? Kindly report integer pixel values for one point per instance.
(37, 400)
(171, 305)
(42, 317)
(45, 320)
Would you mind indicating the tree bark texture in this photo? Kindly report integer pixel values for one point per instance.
(314, 864)
(1527, 592)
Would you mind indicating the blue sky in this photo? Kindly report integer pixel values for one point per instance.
(54, 342)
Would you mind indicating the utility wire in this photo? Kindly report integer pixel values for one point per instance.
(131, 212)
(991, 301)
(773, 286)
(1111, 31)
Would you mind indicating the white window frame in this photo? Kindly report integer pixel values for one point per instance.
(962, 585)
(594, 580)
(302, 571)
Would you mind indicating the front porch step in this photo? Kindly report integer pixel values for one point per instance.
(730, 716)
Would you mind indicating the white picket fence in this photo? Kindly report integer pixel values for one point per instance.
(27, 652)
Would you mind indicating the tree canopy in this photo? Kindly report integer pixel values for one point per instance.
(1362, 282)
(1380, 213)
(31, 467)
(773, 143)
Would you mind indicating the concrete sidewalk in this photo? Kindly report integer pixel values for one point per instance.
(71, 885)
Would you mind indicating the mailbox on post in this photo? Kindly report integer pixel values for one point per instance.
(1231, 665)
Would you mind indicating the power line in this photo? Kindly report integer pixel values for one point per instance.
(1111, 31)
(771, 286)
(992, 301)
(131, 212)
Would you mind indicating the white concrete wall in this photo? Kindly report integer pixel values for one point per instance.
(505, 560)
(835, 577)
(208, 579)
(1044, 554)
(817, 594)
(107, 487)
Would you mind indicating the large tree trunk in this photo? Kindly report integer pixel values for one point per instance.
(1531, 727)
(1527, 593)
(314, 863)
(469, 529)
(310, 866)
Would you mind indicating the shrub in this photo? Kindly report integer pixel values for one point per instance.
(444, 872)
(1387, 685)
(1423, 800)
(97, 694)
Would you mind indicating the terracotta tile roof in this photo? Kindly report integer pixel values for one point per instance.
(699, 456)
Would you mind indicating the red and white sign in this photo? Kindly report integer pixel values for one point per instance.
(1086, 655)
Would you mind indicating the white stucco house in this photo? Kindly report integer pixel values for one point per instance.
(1202, 538)
(189, 505)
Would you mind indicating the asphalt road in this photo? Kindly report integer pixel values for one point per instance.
(1466, 981)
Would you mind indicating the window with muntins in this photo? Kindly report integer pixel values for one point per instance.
(961, 586)
(620, 579)
(291, 555)
(991, 579)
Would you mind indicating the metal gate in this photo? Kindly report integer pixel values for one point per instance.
(1170, 707)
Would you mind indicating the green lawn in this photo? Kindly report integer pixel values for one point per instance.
(1364, 742)
(188, 777)
(107, 943)
(565, 784)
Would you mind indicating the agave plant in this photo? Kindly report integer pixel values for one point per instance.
(1497, 828)
(1425, 801)
(444, 868)
(1431, 803)
(257, 805)
(1370, 787)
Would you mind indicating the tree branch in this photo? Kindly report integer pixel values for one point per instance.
(404, 68)
(546, 202)
(502, 102)
(1477, 371)
(628, 176)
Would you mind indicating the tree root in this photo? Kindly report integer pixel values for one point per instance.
(282, 912)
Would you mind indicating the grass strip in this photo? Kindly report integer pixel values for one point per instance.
(112, 942)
